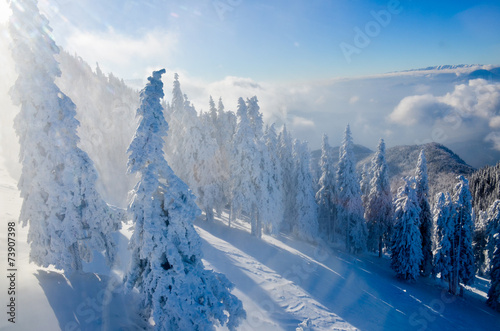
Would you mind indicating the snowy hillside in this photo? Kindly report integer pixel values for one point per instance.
(281, 281)
(444, 164)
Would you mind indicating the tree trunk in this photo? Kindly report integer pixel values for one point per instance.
(77, 261)
(380, 246)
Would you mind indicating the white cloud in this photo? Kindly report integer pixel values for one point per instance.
(354, 99)
(302, 123)
(123, 55)
(417, 109)
(477, 99)
(494, 138)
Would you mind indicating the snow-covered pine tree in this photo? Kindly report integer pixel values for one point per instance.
(494, 291)
(378, 212)
(326, 193)
(255, 117)
(426, 225)
(67, 217)
(406, 246)
(492, 227)
(166, 265)
(350, 207)
(263, 158)
(225, 129)
(212, 111)
(480, 242)
(193, 152)
(244, 168)
(182, 142)
(289, 180)
(444, 220)
(272, 206)
(463, 254)
(306, 221)
(207, 168)
(364, 183)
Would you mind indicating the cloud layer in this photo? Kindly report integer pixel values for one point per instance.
(471, 109)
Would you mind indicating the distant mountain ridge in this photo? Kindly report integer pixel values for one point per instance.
(443, 164)
(444, 67)
(492, 74)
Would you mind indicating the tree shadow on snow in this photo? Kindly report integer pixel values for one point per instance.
(249, 287)
(88, 301)
(361, 290)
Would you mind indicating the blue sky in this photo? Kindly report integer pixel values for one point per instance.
(289, 54)
(283, 40)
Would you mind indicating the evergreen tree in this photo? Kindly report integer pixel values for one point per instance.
(244, 169)
(326, 193)
(378, 211)
(166, 265)
(422, 188)
(289, 180)
(255, 117)
(444, 220)
(207, 169)
(494, 291)
(406, 250)
(225, 129)
(454, 256)
(193, 152)
(485, 186)
(212, 111)
(262, 157)
(480, 242)
(492, 227)
(272, 206)
(67, 217)
(306, 218)
(364, 183)
(463, 254)
(350, 206)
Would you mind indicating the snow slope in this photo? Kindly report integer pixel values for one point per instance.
(281, 281)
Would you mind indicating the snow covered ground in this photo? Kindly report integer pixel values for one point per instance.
(281, 281)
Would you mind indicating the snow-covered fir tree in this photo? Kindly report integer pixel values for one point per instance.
(494, 291)
(212, 111)
(406, 246)
(463, 254)
(193, 152)
(225, 129)
(364, 183)
(350, 207)
(306, 215)
(166, 265)
(444, 220)
(480, 242)
(244, 168)
(454, 255)
(289, 186)
(326, 192)
(272, 206)
(378, 212)
(182, 142)
(425, 217)
(492, 227)
(264, 160)
(207, 168)
(68, 220)
(255, 117)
